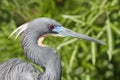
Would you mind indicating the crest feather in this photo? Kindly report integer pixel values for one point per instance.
(19, 30)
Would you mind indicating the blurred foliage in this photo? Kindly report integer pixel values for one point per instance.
(81, 60)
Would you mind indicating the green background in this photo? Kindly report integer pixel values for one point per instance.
(81, 59)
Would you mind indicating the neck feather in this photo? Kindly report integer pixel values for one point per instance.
(43, 56)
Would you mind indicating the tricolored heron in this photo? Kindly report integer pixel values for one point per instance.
(32, 36)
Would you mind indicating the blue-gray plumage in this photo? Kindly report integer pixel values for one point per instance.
(32, 35)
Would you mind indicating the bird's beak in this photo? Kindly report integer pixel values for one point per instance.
(66, 32)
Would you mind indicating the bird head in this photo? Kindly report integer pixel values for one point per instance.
(48, 26)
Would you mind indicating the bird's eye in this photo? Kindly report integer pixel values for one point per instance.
(51, 27)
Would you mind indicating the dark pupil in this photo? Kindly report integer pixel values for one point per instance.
(51, 27)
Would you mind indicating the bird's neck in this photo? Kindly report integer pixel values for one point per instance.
(43, 56)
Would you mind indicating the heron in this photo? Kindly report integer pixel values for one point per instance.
(32, 37)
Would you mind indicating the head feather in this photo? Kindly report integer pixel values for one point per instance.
(19, 30)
